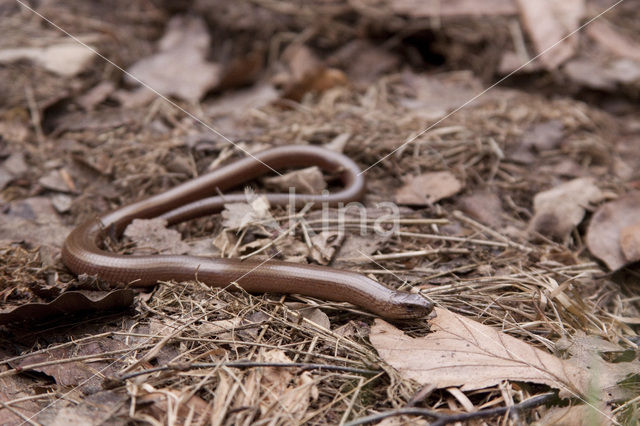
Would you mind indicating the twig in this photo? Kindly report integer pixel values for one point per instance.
(237, 364)
(443, 419)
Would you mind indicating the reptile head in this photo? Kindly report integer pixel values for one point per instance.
(406, 306)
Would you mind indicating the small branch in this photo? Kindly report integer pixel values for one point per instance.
(443, 419)
(116, 381)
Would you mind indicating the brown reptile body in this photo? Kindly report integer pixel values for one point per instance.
(82, 254)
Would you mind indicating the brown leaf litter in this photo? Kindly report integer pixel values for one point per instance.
(91, 139)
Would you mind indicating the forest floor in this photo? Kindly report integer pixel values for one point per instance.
(513, 186)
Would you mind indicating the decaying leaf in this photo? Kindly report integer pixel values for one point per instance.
(64, 59)
(304, 181)
(559, 210)
(547, 22)
(68, 303)
(576, 415)
(484, 206)
(539, 137)
(153, 236)
(33, 220)
(239, 215)
(324, 246)
(306, 73)
(61, 363)
(164, 404)
(463, 352)
(310, 313)
(428, 188)
(630, 242)
(612, 40)
(588, 352)
(608, 225)
(180, 68)
(431, 8)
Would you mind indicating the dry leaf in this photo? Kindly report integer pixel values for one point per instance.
(559, 210)
(427, 8)
(239, 215)
(602, 73)
(483, 206)
(64, 59)
(587, 352)
(69, 302)
(306, 73)
(312, 314)
(363, 61)
(180, 68)
(79, 373)
(540, 137)
(171, 407)
(33, 220)
(608, 222)
(324, 246)
(54, 181)
(428, 188)
(576, 415)
(630, 242)
(547, 22)
(463, 352)
(238, 102)
(152, 235)
(435, 96)
(612, 40)
(303, 181)
(281, 393)
(355, 246)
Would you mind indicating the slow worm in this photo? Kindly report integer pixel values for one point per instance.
(82, 252)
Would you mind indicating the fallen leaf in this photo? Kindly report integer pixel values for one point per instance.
(539, 137)
(576, 415)
(179, 68)
(589, 73)
(463, 352)
(238, 102)
(587, 352)
(559, 210)
(34, 220)
(171, 406)
(96, 95)
(304, 181)
(363, 61)
(54, 181)
(314, 315)
(100, 408)
(69, 302)
(604, 231)
(630, 242)
(290, 393)
(428, 8)
(239, 215)
(306, 73)
(432, 97)
(64, 59)
(153, 236)
(485, 207)
(355, 246)
(5, 178)
(604, 34)
(547, 22)
(324, 246)
(15, 387)
(78, 373)
(16, 164)
(428, 188)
